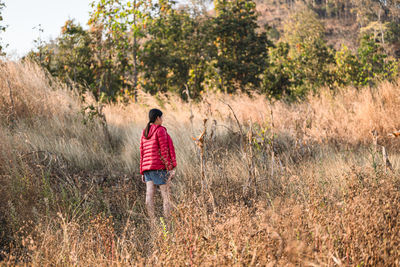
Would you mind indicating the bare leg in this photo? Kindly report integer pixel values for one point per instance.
(165, 193)
(150, 188)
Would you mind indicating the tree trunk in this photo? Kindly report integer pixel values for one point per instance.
(380, 25)
(135, 73)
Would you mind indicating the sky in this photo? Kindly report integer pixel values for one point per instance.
(22, 16)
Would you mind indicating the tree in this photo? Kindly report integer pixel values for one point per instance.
(278, 76)
(369, 65)
(303, 26)
(177, 50)
(68, 57)
(117, 25)
(348, 68)
(303, 61)
(241, 49)
(162, 64)
(374, 62)
(374, 16)
(72, 59)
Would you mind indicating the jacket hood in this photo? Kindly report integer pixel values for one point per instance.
(153, 129)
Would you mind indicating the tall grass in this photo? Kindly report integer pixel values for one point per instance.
(286, 183)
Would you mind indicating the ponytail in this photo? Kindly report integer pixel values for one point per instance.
(153, 115)
(146, 131)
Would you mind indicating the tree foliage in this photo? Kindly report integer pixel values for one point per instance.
(68, 56)
(368, 65)
(118, 24)
(158, 46)
(241, 50)
(73, 54)
(302, 61)
(170, 51)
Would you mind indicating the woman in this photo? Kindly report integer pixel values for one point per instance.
(157, 161)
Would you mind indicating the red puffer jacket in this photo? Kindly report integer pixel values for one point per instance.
(157, 151)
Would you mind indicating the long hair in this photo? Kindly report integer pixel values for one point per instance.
(153, 115)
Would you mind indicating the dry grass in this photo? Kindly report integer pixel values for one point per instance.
(70, 196)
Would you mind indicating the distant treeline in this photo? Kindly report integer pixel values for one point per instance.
(158, 46)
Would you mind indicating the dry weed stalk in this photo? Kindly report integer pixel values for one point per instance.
(246, 147)
(200, 142)
(205, 184)
(272, 143)
(187, 92)
(375, 140)
(105, 125)
(251, 184)
(386, 160)
(385, 156)
(12, 106)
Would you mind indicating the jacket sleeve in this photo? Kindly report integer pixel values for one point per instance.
(172, 152)
(164, 149)
(141, 155)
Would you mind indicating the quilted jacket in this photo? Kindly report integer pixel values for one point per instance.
(157, 151)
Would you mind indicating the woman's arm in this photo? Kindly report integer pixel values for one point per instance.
(164, 148)
(141, 155)
(171, 151)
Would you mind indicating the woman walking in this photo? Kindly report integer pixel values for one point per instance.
(157, 162)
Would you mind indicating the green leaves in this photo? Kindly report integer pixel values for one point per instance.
(117, 49)
(241, 50)
(369, 65)
(166, 54)
(303, 26)
(153, 46)
(302, 63)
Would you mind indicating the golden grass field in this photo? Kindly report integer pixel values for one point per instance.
(284, 184)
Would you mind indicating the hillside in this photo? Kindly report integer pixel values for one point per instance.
(344, 21)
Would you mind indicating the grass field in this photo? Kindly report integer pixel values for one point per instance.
(277, 184)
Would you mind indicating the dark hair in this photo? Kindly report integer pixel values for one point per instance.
(153, 115)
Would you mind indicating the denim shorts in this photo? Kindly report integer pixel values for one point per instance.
(158, 177)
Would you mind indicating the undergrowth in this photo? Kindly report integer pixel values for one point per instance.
(285, 184)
